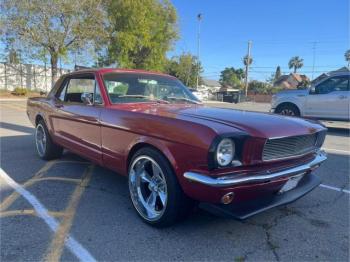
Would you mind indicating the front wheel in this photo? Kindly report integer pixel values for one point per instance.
(154, 189)
(288, 110)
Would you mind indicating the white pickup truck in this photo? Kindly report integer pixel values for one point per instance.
(328, 99)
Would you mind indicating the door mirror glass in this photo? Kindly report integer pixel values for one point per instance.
(87, 98)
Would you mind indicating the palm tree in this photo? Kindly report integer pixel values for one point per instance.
(247, 61)
(347, 57)
(296, 62)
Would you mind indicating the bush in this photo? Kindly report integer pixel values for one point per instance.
(19, 91)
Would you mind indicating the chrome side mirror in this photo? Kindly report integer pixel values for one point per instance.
(87, 98)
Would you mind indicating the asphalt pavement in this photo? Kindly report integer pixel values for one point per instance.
(71, 210)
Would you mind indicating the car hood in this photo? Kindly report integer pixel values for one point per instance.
(294, 92)
(256, 124)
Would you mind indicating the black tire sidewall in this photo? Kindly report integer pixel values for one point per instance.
(289, 107)
(52, 150)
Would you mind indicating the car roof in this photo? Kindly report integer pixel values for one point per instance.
(339, 73)
(117, 70)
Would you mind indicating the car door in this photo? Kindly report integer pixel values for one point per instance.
(76, 123)
(329, 99)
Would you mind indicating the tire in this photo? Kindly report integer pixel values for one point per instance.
(45, 147)
(288, 110)
(154, 190)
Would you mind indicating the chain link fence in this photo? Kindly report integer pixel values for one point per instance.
(29, 76)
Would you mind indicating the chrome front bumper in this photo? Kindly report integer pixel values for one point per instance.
(238, 179)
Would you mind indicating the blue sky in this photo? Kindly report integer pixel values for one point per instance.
(279, 30)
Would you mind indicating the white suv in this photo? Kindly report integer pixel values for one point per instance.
(328, 99)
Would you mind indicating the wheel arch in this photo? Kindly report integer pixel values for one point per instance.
(160, 148)
(39, 117)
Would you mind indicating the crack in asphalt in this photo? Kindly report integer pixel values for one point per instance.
(285, 212)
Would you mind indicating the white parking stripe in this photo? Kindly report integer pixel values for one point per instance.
(74, 246)
(335, 188)
(347, 152)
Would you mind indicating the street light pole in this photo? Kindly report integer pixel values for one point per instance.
(199, 17)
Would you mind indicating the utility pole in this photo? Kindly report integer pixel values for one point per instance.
(199, 17)
(313, 58)
(247, 68)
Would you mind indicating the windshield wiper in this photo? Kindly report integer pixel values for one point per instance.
(135, 96)
(146, 97)
(181, 99)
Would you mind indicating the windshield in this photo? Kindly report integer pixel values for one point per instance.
(129, 88)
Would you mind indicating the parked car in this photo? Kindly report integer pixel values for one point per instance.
(175, 151)
(200, 95)
(328, 99)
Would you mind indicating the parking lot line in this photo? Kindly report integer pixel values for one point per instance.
(76, 248)
(347, 152)
(13, 197)
(56, 178)
(25, 212)
(38, 177)
(56, 247)
(335, 188)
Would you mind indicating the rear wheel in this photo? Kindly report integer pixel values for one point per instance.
(288, 110)
(45, 147)
(154, 189)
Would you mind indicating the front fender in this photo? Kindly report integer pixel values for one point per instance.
(297, 101)
(160, 145)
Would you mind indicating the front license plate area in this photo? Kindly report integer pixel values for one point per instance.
(291, 183)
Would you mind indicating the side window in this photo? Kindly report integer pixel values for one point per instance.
(97, 97)
(76, 87)
(62, 93)
(337, 83)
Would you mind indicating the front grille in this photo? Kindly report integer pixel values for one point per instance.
(286, 147)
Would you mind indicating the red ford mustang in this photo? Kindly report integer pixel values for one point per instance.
(175, 151)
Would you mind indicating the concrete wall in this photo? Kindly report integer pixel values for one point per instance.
(30, 76)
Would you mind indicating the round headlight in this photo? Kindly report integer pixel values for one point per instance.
(225, 152)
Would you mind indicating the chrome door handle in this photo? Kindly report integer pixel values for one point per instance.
(342, 97)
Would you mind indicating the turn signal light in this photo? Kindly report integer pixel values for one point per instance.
(227, 198)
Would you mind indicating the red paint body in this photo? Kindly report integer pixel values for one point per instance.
(109, 134)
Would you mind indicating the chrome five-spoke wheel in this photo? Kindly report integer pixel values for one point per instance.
(148, 188)
(40, 140)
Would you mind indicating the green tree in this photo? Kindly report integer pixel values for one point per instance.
(347, 57)
(278, 73)
(185, 67)
(53, 27)
(305, 83)
(141, 32)
(259, 87)
(12, 51)
(232, 77)
(295, 62)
